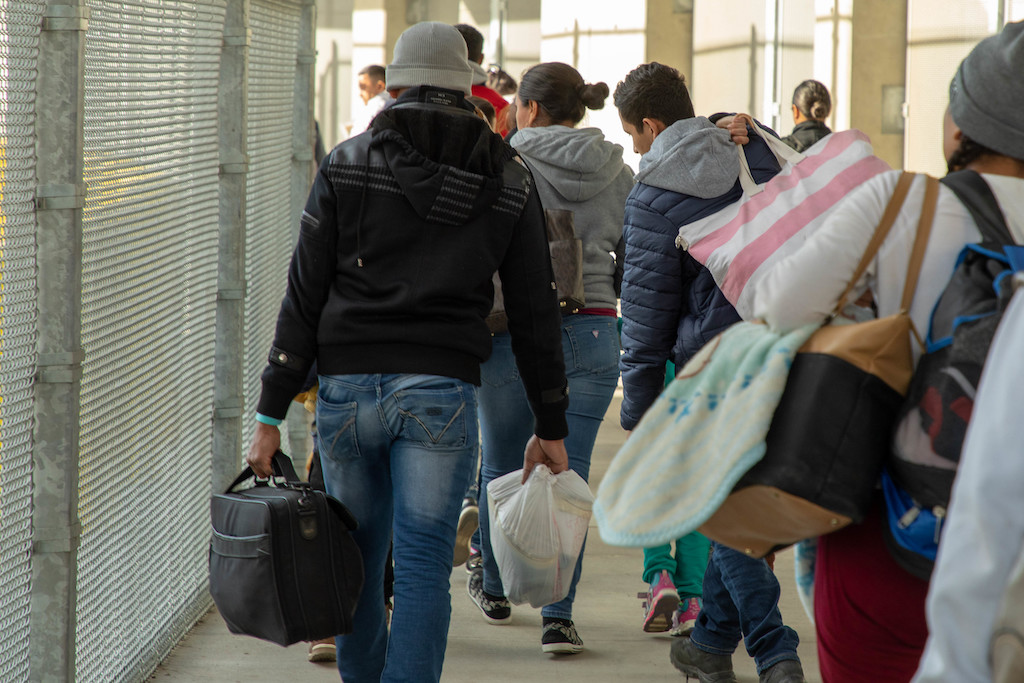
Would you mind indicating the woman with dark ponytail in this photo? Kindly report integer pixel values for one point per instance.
(811, 106)
(578, 170)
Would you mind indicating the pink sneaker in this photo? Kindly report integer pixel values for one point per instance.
(685, 617)
(659, 601)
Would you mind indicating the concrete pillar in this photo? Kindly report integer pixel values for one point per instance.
(334, 73)
(877, 90)
(398, 16)
(60, 122)
(670, 34)
(229, 400)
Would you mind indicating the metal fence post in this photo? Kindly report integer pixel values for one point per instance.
(60, 124)
(303, 135)
(303, 169)
(234, 165)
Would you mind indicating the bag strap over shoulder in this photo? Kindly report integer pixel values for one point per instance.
(892, 210)
(924, 229)
(783, 154)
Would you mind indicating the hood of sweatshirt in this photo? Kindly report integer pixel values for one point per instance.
(479, 73)
(579, 163)
(692, 157)
(446, 160)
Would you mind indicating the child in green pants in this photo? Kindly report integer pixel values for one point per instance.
(673, 600)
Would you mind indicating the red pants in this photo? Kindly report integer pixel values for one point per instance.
(868, 611)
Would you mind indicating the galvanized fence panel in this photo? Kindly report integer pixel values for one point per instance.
(19, 50)
(271, 223)
(149, 278)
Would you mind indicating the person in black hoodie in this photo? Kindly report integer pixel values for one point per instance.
(388, 289)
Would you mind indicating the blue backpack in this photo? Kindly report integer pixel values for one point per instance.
(918, 475)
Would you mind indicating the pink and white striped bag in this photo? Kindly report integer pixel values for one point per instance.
(742, 242)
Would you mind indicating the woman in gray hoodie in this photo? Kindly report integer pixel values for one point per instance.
(578, 170)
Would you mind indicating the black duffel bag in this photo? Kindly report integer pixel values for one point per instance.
(283, 564)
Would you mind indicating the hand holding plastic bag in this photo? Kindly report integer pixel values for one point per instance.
(537, 532)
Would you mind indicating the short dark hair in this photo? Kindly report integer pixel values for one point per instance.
(474, 41)
(485, 107)
(653, 91)
(967, 152)
(375, 71)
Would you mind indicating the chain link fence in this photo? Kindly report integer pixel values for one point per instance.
(19, 53)
(149, 279)
(151, 266)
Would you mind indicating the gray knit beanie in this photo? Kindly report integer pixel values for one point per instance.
(986, 96)
(430, 53)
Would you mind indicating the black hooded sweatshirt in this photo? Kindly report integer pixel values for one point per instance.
(402, 232)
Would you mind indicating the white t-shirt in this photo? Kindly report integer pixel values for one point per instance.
(366, 113)
(805, 287)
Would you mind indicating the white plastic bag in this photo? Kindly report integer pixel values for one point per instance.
(537, 532)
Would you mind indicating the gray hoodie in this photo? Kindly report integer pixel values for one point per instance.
(714, 164)
(578, 170)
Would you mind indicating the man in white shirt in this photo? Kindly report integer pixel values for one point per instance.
(374, 96)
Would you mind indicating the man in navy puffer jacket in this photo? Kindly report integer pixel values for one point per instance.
(671, 307)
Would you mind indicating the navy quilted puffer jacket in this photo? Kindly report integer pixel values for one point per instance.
(671, 305)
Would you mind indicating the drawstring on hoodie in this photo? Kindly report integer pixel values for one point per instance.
(362, 206)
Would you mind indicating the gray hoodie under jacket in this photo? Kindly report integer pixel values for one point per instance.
(692, 157)
(577, 169)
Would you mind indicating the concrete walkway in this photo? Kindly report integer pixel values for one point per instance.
(607, 614)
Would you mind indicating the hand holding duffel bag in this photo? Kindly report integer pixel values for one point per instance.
(283, 564)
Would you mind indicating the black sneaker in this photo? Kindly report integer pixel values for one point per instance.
(706, 667)
(560, 637)
(474, 561)
(495, 608)
(786, 671)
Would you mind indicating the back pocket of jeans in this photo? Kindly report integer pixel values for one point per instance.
(435, 417)
(336, 427)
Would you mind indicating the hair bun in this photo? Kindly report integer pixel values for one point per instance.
(593, 95)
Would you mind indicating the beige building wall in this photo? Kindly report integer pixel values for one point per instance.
(670, 34)
(887, 62)
(940, 34)
(603, 40)
(728, 57)
(877, 91)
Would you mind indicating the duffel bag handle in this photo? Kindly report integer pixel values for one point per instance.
(282, 466)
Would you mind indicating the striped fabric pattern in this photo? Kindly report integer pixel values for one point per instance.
(454, 202)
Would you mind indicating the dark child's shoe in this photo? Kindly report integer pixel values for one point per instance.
(786, 671)
(559, 637)
(495, 608)
(704, 666)
(469, 520)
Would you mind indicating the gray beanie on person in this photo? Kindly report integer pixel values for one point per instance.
(986, 96)
(430, 53)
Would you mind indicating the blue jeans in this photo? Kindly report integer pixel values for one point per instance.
(397, 451)
(741, 600)
(590, 344)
